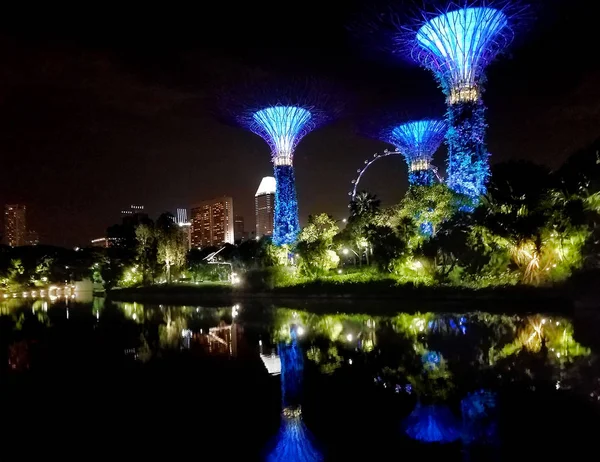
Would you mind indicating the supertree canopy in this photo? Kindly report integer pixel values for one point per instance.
(282, 115)
(417, 141)
(457, 43)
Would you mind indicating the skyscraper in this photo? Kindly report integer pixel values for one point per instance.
(33, 238)
(264, 203)
(134, 215)
(185, 226)
(212, 222)
(15, 227)
(238, 228)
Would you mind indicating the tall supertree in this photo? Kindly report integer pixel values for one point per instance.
(294, 442)
(282, 114)
(417, 141)
(457, 42)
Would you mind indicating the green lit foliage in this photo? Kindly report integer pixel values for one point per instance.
(43, 272)
(131, 277)
(15, 277)
(550, 336)
(273, 255)
(169, 332)
(464, 253)
(412, 269)
(333, 327)
(171, 250)
(327, 359)
(428, 207)
(315, 246)
(145, 236)
(543, 230)
(364, 212)
(412, 325)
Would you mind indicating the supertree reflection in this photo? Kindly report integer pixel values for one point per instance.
(479, 418)
(294, 441)
(433, 423)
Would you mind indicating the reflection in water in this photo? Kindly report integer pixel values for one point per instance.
(212, 330)
(433, 423)
(444, 362)
(294, 442)
(444, 376)
(479, 413)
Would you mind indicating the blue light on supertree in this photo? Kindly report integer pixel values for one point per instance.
(294, 442)
(292, 368)
(417, 141)
(480, 415)
(457, 43)
(433, 423)
(282, 114)
(431, 359)
(448, 324)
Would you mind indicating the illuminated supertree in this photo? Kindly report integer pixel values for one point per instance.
(457, 42)
(294, 442)
(417, 141)
(282, 115)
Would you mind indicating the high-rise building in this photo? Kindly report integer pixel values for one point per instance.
(100, 242)
(238, 228)
(134, 215)
(132, 210)
(185, 226)
(33, 238)
(264, 205)
(15, 227)
(212, 222)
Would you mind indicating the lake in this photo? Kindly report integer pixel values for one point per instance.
(93, 378)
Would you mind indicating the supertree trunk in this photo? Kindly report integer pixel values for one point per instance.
(421, 178)
(468, 167)
(286, 225)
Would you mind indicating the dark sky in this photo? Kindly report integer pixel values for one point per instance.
(105, 107)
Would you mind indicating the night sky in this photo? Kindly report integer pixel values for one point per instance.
(104, 108)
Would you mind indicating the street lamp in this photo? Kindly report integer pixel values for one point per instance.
(347, 251)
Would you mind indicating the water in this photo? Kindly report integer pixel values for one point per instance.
(99, 378)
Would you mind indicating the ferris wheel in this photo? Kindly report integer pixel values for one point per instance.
(369, 162)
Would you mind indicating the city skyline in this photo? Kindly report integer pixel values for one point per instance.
(138, 114)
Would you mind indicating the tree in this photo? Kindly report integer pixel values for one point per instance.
(146, 248)
(387, 245)
(315, 245)
(428, 207)
(364, 205)
(171, 250)
(320, 227)
(165, 223)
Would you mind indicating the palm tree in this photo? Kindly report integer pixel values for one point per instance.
(364, 204)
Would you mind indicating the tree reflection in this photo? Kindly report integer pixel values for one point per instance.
(480, 418)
